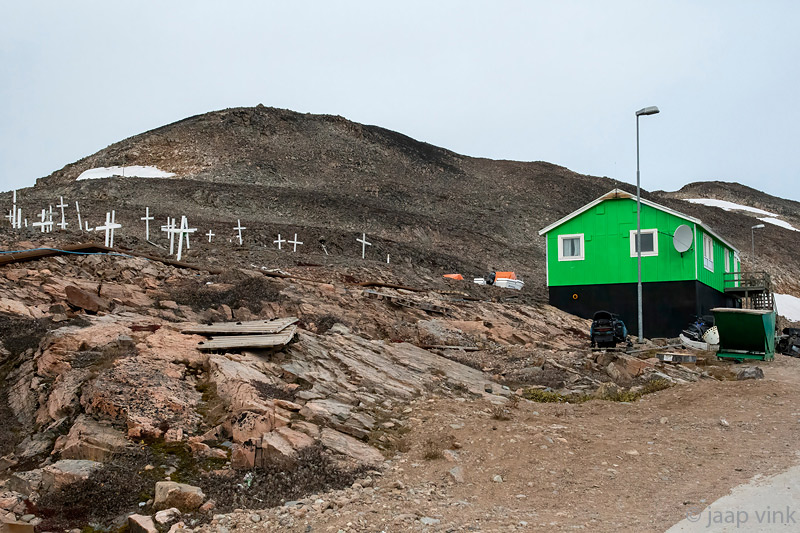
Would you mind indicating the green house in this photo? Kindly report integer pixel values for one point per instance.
(592, 264)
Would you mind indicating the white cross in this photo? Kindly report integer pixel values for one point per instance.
(19, 217)
(78, 210)
(63, 224)
(169, 229)
(239, 228)
(113, 226)
(364, 244)
(16, 222)
(295, 242)
(183, 230)
(109, 228)
(209, 235)
(279, 241)
(147, 218)
(43, 224)
(50, 220)
(10, 217)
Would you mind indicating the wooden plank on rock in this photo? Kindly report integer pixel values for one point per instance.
(248, 341)
(251, 327)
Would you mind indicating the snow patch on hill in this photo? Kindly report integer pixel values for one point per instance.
(788, 306)
(769, 218)
(729, 206)
(778, 222)
(127, 172)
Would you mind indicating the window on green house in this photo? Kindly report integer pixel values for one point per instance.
(649, 242)
(727, 261)
(708, 252)
(570, 247)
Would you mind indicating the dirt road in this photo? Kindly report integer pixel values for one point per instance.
(596, 466)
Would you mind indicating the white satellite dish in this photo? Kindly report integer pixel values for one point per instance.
(683, 238)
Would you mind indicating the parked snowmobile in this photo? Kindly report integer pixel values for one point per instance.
(607, 330)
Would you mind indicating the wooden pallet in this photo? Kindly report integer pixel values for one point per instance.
(232, 342)
(252, 327)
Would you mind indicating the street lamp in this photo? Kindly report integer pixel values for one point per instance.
(652, 110)
(753, 238)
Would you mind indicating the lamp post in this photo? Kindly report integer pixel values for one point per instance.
(753, 238)
(652, 110)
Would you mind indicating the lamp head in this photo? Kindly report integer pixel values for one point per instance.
(652, 110)
(758, 226)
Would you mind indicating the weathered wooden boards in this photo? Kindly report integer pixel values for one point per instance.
(266, 327)
(250, 334)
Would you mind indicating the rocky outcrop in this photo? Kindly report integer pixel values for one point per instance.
(138, 523)
(179, 495)
(91, 440)
(66, 471)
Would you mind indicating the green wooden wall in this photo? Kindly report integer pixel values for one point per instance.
(606, 228)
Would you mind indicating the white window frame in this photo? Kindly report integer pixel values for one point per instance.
(580, 257)
(708, 246)
(727, 261)
(654, 253)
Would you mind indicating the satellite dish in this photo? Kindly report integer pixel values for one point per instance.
(683, 238)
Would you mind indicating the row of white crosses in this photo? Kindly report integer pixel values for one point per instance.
(46, 225)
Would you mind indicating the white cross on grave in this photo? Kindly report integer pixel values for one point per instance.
(181, 231)
(168, 229)
(42, 224)
(364, 244)
(109, 228)
(78, 211)
(50, 220)
(209, 235)
(295, 242)
(239, 228)
(15, 222)
(10, 217)
(19, 217)
(279, 241)
(61, 205)
(114, 225)
(147, 218)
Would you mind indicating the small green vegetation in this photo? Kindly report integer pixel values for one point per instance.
(612, 394)
(545, 396)
(432, 449)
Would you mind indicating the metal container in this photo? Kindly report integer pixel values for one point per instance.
(745, 333)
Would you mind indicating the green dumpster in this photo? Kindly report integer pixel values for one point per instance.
(745, 333)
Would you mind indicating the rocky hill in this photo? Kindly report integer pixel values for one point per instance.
(401, 400)
(328, 179)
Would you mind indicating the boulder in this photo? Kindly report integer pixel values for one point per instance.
(349, 447)
(248, 425)
(141, 524)
(634, 367)
(66, 471)
(243, 456)
(15, 307)
(92, 440)
(85, 300)
(618, 373)
(12, 526)
(26, 482)
(12, 502)
(751, 372)
(180, 495)
(167, 515)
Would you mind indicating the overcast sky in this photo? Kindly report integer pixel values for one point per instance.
(556, 81)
